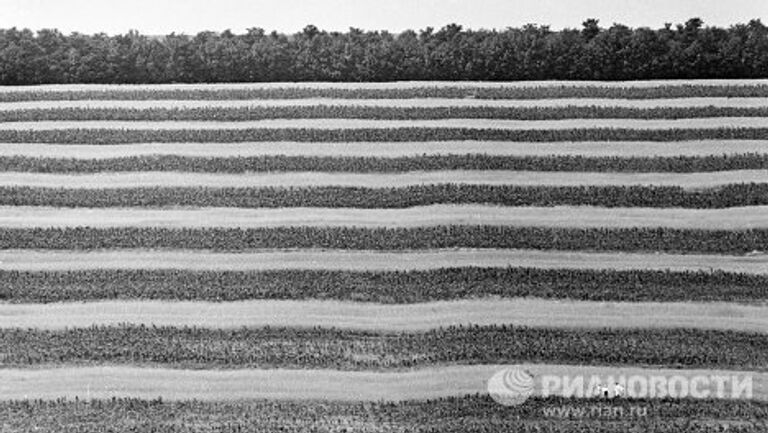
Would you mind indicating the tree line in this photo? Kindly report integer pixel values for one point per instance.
(532, 52)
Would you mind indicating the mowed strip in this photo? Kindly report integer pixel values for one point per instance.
(560, 216)
(719, 102)
(30, 260)
(644, 84)
(377, 317)
(376, 180)
(364, 124)
(389, 149)
(173, 384)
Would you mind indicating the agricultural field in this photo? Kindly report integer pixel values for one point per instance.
(364, 257)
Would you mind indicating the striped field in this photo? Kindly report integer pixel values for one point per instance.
(378, 241)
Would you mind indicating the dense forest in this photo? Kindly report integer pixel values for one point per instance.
(689, 50)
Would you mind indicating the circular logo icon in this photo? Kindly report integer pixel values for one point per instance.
(511, 386)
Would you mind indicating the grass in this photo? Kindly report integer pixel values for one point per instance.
(286, 91)
(369, 112)
(726, 196)
(468, 413)
(359, 164)
(391, 287)
(275, 347)
(401, 134)
(687, 241)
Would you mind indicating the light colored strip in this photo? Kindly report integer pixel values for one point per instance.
(325, 124)
(377, 180)
(388, 149)
(410, 317)
(415, 102)
(434, 382)
(388, 85)
(30, 260)
(561, 216)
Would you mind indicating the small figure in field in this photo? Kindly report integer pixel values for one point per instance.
(618, 390)
(602, 391)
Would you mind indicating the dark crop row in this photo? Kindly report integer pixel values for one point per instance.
(457, 92)
(735, 195)
(463, 414)
(350, 164)
(355, 238)
(380, 113)
(405, 134)
(342, 349)
(383, 286)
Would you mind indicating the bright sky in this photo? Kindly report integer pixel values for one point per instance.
(190, 16)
